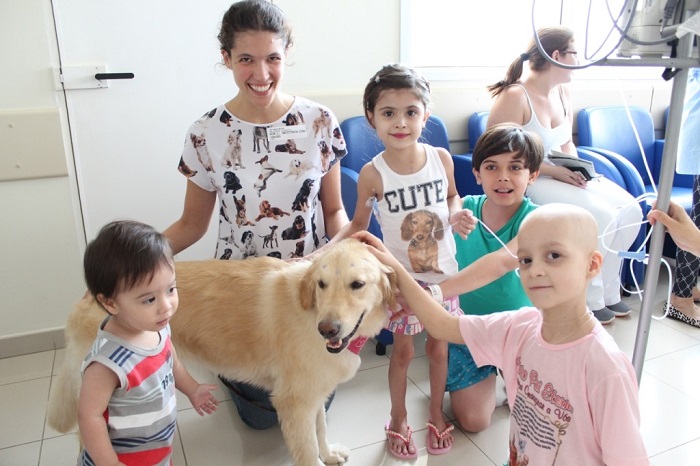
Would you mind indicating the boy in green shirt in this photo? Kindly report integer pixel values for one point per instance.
(506, 160)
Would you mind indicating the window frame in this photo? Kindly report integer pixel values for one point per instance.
(492, 73)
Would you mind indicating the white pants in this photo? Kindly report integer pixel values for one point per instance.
(613, 208)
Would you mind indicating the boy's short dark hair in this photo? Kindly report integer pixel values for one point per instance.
(123, 254)
(509, 137)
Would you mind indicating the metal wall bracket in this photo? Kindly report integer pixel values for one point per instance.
(79, 77)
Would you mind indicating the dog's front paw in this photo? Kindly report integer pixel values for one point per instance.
(338, 454)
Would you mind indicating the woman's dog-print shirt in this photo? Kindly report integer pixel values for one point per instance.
(141, 414)
(267, 177)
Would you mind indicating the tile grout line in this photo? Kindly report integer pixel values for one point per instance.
(48, 396)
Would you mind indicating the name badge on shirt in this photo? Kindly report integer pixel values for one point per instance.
(282, 133)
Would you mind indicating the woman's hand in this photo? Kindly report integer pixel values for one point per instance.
(679, 226)
(565, 175)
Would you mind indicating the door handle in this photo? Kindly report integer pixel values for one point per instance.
(85, 77)
(101, 76)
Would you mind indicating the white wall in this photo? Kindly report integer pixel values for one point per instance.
(41, 234)
(339, 45)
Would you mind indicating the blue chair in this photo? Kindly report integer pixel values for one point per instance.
(435, 133)
(476, 126)
(361, 141)
(464, 177)
(602, 166)
(465, 180)
(363, 144)
(606, 168)
(609, 132)
(348, 184)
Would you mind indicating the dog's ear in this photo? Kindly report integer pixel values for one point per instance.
(439, 230)
(406, 228)
(307, 289)
(388, 286)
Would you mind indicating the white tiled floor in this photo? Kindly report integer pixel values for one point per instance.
(669, 394)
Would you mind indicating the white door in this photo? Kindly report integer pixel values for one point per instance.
(128, 137)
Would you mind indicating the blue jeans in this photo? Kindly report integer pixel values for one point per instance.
(254, 405)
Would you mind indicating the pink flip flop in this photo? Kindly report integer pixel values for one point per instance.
(432, 430)
(405, 439)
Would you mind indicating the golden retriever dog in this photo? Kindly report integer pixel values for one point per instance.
(283, 326)
(422, 229)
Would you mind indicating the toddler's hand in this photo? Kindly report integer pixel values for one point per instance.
(203, 401)
(463, 222)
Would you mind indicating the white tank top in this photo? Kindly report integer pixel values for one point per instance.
(551, 137)
(414, 217)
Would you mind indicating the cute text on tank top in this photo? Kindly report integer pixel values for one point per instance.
(414, 217)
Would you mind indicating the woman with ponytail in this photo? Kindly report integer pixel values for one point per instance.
(541, 102)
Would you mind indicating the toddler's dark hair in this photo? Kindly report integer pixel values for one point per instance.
(509, 137)
(123, 254)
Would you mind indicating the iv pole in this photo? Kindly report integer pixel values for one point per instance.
(668, 167)
(668, 162)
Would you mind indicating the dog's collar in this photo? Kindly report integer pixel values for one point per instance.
(356, 345)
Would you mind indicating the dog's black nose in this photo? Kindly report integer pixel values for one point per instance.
(328, 329)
